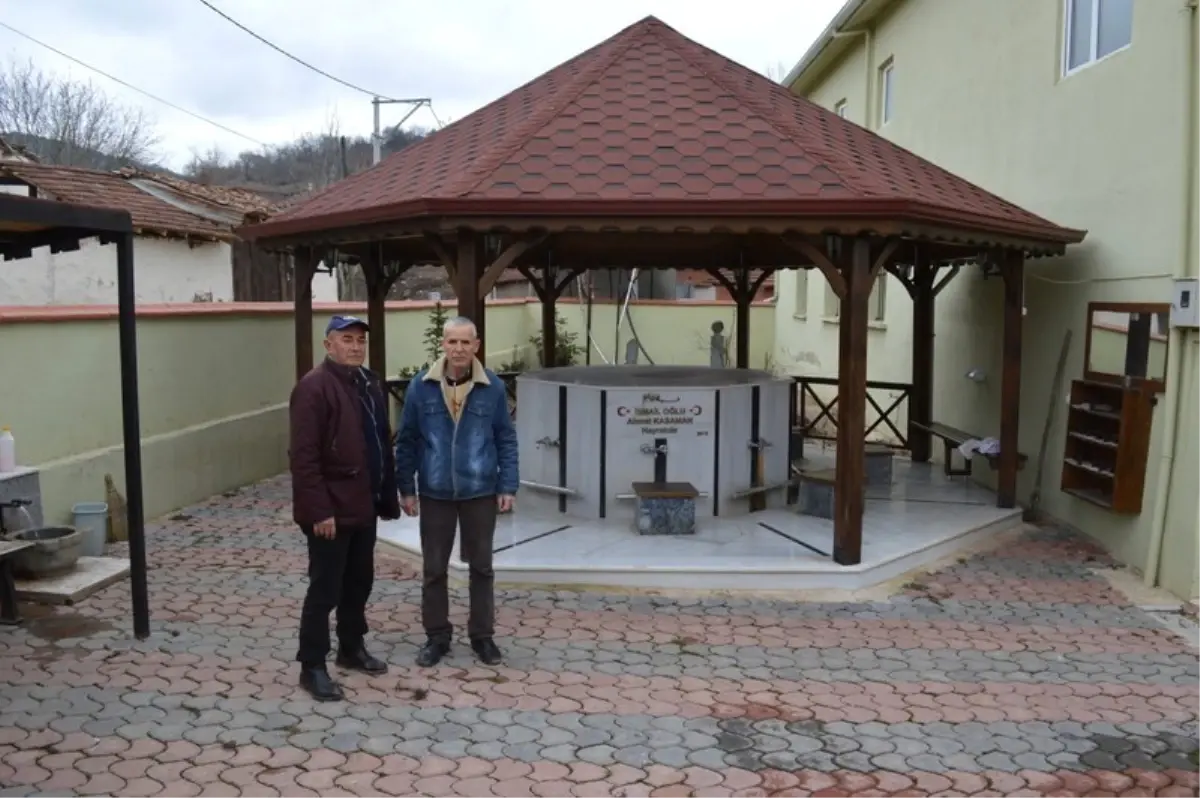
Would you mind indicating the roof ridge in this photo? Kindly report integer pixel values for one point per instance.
(483, 168)
(792, 135)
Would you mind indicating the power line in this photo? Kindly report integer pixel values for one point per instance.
(284, 52)
(131, 87)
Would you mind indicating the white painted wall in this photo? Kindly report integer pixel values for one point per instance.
(165, 271)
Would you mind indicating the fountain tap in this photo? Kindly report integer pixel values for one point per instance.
(547, 441)
(760, 444)
(12, 504)
(650, 448)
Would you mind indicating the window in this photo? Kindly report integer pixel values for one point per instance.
(1095, 29)
(886, 90)
(840, 108)
(801, 308)
(876, 305)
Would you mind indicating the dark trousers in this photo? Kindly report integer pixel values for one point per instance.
(341, 573)
(475, 519)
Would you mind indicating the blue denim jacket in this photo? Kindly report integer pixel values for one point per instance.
(476, 457)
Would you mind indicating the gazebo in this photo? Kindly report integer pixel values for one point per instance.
(27, 224)
(653, 151)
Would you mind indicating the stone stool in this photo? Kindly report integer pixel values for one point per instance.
(877, 466)
(816, 493)
(665, 508)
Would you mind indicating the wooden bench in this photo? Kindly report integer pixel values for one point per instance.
(665, 508)
(952, 438)
(9, 613)
(816, 492)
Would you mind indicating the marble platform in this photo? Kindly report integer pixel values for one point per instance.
(90, 575)
(923, 516)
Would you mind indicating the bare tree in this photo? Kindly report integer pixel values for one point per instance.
(70, 122)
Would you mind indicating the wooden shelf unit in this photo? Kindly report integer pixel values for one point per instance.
(1108, 443)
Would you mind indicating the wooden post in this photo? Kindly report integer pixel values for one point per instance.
(741, 332)
(549, 327)
(377, 288)
(1010, 379)
(468, 272)
(852, 405)
(304, 263)
(920, 401)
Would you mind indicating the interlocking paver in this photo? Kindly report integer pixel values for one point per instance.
(1028, 674)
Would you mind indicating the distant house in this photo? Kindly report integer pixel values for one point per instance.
(185, 250)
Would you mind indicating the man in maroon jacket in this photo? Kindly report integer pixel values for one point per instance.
(343, 481)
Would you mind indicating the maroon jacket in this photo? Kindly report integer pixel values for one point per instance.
(328, 451)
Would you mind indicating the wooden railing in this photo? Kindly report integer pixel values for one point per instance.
(812, 410)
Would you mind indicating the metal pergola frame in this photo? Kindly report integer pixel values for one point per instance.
(27, 224)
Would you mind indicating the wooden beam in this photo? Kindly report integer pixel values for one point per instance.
(549, 326)
(819, 259)
(466, 286)
(852, 405)
(304, 264)
(506, 260)
(1013, 273)
(374, 273)
(741, 333)
(920, 401)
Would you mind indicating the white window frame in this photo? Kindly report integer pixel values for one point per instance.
(800, 311)
(1093, 39)
(839, 108)
(885, 92)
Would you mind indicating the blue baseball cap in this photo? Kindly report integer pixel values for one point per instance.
(345, 323)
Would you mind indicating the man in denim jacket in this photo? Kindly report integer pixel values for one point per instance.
(457, 436)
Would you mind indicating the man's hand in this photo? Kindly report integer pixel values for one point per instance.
(505, 502)
(409, 505)
(326, 529)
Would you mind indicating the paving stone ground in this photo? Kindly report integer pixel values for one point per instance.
(1018, 672)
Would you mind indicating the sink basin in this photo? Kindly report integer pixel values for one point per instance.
(55, 551)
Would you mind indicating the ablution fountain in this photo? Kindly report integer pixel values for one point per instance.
(619, 442)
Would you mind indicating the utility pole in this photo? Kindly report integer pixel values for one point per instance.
(377, 138)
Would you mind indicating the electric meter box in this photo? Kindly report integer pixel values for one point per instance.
(1185, 304)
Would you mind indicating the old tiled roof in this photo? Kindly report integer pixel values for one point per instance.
(648, 121)
(111, 190)
(238, 199)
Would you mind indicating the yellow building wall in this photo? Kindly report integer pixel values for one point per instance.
(978, 89)
(214, 383)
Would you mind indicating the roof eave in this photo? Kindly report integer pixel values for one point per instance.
(843, 18)
(852, 210)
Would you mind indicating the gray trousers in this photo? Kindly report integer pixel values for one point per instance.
(475, 520)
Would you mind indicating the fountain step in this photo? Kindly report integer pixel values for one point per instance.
(91, 574)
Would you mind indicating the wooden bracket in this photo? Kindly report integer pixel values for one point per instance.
(884, 256)
(819, 259)
(946, 278)
(506, 259)
(447, 256)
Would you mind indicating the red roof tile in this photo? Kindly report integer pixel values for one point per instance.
(649, 116)
(238, 199)
(110, 190)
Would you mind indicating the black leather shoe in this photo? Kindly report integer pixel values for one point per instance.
(487, 651)
(432, 652)
(318, 684)
(360, 660)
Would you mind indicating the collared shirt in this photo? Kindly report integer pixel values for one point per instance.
(455, 396)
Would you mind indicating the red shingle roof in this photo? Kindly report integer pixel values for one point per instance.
(110, 190)
(650, 118)
(238, 199)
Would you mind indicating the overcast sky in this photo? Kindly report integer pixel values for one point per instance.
(461, 53)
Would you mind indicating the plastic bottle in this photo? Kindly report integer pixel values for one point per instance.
(8, 451)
